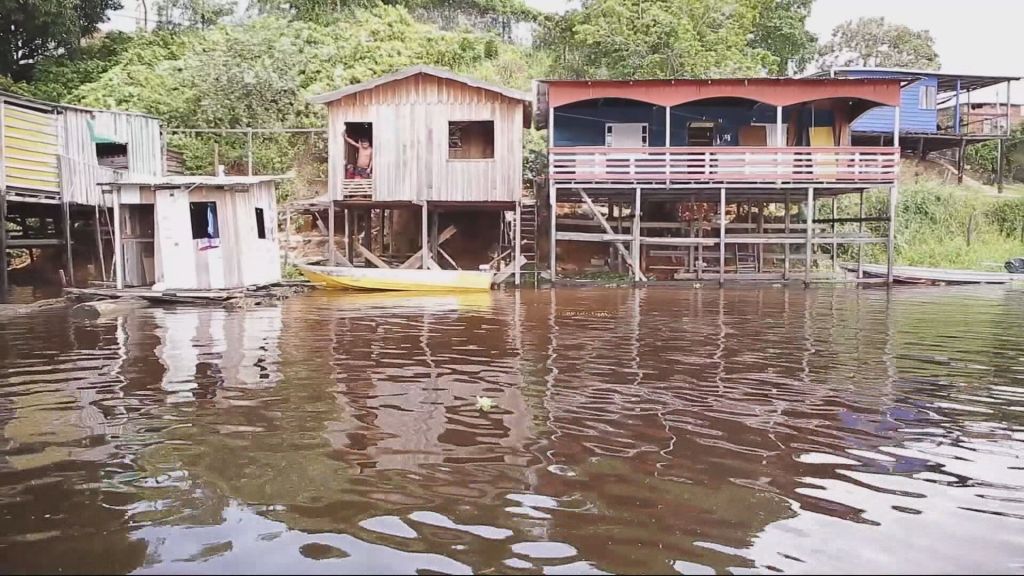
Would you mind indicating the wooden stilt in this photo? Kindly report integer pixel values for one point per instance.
(638, 274)
(999, 164)
(349, 232)
(552, 249)
(3, 235)
(368, 229)
(99, 242)
(425, 236)
(960, 161)
(891, 242)
(721, 237)
(627, 254)
(785, 247)
(860, 245)
(834, 245)
(809, 257)
(760, 230)
(433, 236)
(287, 233)
(118, 248)
(69, 257)
(518, 240)
(330, 233)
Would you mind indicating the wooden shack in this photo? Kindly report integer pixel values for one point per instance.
(447, 154)
(195, 232)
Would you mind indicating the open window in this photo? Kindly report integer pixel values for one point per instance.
(112, 155)
(471, 140)
(700, 134)
(927, 98)
(357, 133)
(204, 220)
(261, 225)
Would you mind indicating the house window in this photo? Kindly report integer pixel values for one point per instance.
(626, 135)
(204, 220)
(471, 140)
(261, 225)
(926, 98)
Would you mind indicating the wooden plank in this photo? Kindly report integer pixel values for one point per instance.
(607, 228)
(415, 259)
(592, 237)
(503, 274)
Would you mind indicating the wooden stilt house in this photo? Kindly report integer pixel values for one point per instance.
(445, 186)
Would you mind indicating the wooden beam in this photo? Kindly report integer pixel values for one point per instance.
(330, 234)
(594, 237)
(3, 223)
(371, 257)
(518, 240)
(891, 244)
(721, 236)
(99, 242)
(607, 228)
(447, 257)
(68, 255)
(860, 230)
(638, 275)
(118, 249)
(425, 236)
(415, 259)
(810, 236)
(785, 263)
(503, 274)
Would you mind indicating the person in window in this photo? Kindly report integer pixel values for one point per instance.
(364, 159)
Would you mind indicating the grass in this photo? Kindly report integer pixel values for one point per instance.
(944, 226)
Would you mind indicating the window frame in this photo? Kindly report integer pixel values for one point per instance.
(216, 220)
(459, 125)
(261, 224)
(927, 98)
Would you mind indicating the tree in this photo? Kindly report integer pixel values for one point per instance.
(33, 29)
(193, 13)
(873, 42)
(673, 38)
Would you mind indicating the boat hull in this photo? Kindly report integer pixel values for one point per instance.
(347, 278)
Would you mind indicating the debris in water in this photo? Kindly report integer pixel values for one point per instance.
(484, 403)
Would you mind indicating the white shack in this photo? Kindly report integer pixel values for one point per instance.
(195, 232)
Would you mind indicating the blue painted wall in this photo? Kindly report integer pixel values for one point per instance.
(912, 117)
(583, 124)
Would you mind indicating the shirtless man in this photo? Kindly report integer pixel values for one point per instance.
(364, 158)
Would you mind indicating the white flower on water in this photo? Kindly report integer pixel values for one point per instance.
(484, 403)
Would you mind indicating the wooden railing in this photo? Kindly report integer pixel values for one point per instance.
(357, 189)
(685, 166)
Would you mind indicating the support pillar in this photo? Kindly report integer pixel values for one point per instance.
(425, 236)
(721, 237)
(551, 242)
(637, 264)
(287, 232)
(99, 241)
(69, 258)
(835, 246)
(780, 140)
(960, 161)
(248, 150)
(999, 164)
(118, 248)
(3, 239)
(890, 244)
(785, 247)
(330, 234)
(860, 246)
(809, 256)
(518, 241)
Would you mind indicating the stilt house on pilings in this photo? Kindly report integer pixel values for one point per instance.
(445, 190)
(712, 179)
(54, 157)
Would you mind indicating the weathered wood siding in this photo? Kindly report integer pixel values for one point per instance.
(80, 169)
(242, 259)
(410, 141)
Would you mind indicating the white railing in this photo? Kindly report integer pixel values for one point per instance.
(867, 166)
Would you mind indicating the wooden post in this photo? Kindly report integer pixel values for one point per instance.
(118, 249)
(668, 126)
(331, 259)
(637, 265)
(960, 161)
(760, 230)
(721, 237)
(368, 230)
(891, 243)
(809, 257)
(835, 246)
(99, 242)
(68, 256)
(552, 195)
(518, 240)
(425, 236)
(3, 229)
(288, 232)
(860, 245)
(785, 247)
(349, 232)
(248, 149)
(956, 112)
(779, 137)
(999, 165)
(433, 236)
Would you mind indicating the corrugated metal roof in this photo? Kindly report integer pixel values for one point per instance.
(196, 180)
(947, 81)
(412, 71)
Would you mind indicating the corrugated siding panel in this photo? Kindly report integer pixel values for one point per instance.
(80, 170)
(912, 117)
(410, 141)
(30, 148)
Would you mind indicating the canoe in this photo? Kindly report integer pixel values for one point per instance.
(348, 278)
(913, 275)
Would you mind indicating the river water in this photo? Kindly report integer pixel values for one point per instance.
(654, 430)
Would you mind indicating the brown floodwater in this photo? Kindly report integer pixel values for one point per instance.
(653, 430)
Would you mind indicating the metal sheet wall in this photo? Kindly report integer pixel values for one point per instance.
(30, 142)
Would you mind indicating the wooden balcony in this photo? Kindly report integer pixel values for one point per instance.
(695, 167)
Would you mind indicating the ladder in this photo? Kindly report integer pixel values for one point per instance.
(528, 236)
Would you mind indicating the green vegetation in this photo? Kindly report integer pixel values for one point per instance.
(943, 226)
(875, 42)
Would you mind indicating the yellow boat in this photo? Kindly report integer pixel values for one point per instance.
(349, 278)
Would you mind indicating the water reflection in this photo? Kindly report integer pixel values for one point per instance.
(632, 431)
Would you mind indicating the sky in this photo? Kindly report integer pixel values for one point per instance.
(971, 37)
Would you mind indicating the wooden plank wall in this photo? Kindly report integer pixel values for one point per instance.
(410, 139)
(29, 149)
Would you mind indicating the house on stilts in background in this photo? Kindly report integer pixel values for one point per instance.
(713, 179)
(937, 113)
(445, 190)
(66, 171)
